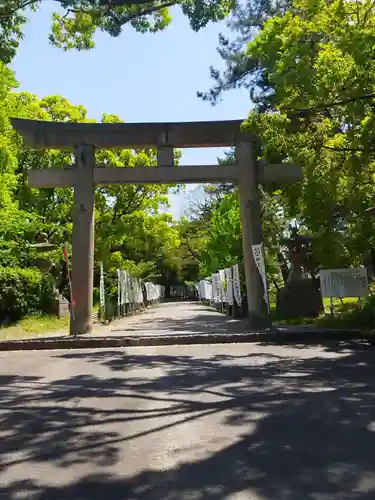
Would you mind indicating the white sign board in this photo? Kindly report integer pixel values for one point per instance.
(344, 282)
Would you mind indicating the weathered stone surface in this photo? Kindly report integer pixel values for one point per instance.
(62, 307)
(299, 299)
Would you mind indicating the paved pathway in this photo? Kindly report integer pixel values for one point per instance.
(170, 318)
(175, 318)
(224, 422)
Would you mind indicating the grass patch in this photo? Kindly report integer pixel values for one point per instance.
(340, 305)
(34, 326)
(348, 314)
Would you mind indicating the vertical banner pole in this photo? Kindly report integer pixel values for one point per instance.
(72, 301)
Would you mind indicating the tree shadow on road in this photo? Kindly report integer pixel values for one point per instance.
(313, 413)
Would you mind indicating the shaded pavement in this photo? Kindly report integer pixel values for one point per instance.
(175, 323)
(176, 318)
(170, 318)
(238, 421)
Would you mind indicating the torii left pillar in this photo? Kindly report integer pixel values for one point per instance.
(83, 239)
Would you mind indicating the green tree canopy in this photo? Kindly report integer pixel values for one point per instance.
(130, 230)
(310, 74)
(75, 22)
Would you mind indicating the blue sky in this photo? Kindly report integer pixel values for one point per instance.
(141, 78)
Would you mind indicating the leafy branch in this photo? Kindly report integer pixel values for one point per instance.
(324, 106)
(106, 4)
(126, 18)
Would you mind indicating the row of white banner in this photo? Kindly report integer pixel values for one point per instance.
(129, 289)
(225, 285)
(154, 292)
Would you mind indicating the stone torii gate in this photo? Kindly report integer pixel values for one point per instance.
(85, 138)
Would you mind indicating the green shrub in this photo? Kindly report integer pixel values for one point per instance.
(23, 292)
(47, 294)
(352, 316)
(96, 296)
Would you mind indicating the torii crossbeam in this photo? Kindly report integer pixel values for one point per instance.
(85, 138)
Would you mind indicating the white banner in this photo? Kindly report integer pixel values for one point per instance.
(237, 285)
(216, 288)
(101, 288)
(223, 294)
(258, 254)
(148, 291)
(206, 290)
(229, 280)
(344, 282)
(129, 290)
(153, 292)
(139, 294)
(213, 281)
(118, 287)
(127, 285)
(130, 284)
(123, 291)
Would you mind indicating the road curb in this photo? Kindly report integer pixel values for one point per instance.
(278, 337)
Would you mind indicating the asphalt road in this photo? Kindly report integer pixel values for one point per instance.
(200, 423)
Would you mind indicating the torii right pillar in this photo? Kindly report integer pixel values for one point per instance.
(252, 233)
